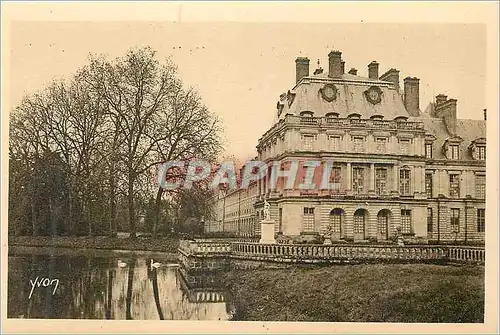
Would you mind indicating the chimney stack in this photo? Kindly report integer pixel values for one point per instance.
(342, 64)
(412, 95)
(447, 110)
(440, 98)
(484, 111)
(353, 71)
(373, 70)
(335, 64)
(392, 76)
(301, 68)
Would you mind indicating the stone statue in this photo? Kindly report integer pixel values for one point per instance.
(399, 237)
(267, 214)
(329, 231)
(328, 234)
(267, 226)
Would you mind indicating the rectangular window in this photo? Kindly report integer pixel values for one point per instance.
(334, 143)
(428, 150)
(454, 185)
(480, 220)
(406, 221)
(357, 179)
(455, 220)
(480, 186)
(428, 185)
(358, 144)
(430, 218)
(453, 151)
(404, 145)
(404, 182)
(308, 142)
(481, 153)
(308, 219)
(381, 143)
(380, 180)
(335, 179)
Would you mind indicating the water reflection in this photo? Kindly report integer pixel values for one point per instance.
(98, 288)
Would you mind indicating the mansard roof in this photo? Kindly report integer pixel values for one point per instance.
(350, 97)
(467, 130)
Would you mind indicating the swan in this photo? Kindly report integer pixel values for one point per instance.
(154, 264)
(121, 264)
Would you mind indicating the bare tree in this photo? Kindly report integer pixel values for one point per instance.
(193, 132)
(111, 124)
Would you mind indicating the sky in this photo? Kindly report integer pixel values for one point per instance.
(240, 69)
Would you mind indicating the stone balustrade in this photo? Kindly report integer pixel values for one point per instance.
(209, 247)
(319, 253)
(466, 254)
(355, 123)
(339, 253)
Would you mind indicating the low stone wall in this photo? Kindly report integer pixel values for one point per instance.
(211, 255)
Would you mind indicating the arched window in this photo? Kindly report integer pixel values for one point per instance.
(383, 224)
(359, 224)
(336, 222)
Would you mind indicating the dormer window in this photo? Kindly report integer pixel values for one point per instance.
(401, 119)
(429, 145)
(428, 150)
(453, 150)
(478, 149)
(354, 116)
(307, 114)
(377, 117)
(452, 147)
(481, 153)
(332, 115)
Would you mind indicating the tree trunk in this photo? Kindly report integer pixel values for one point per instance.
(70, 226)
(88, 218)
(157, 211)
(131, 211)
(53, 230)
(34, 222)
(112, 219)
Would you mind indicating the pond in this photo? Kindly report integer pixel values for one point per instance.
(63, 284)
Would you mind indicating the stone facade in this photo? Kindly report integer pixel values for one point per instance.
(389, 165)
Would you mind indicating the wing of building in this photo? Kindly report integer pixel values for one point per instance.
(387, 164)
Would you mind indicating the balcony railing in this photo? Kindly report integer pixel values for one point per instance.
(355, 123)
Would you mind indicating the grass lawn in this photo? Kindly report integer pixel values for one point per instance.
(161, 244)
(360, 293)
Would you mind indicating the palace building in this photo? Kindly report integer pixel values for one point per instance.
(391, 165)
